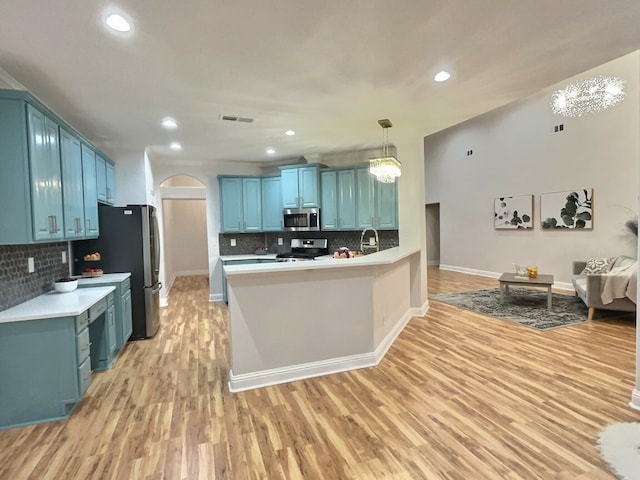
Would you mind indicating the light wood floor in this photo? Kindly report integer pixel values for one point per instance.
(458, 396)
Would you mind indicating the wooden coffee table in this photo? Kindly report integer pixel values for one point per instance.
(511, 279)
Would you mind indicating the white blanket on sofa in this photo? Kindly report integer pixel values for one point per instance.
(620, 282)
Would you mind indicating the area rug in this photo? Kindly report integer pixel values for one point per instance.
(619, 445)
(525, 306)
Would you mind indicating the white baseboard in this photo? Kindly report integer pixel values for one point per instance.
(164, 302)
(216, 297)
(496, 275)
(265, 378)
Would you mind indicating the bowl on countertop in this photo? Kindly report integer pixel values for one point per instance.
(65, 285)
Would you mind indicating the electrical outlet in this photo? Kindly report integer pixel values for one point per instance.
(30, 265)
(64, 257)
(372, 240)
(233, 242)
(280, 241)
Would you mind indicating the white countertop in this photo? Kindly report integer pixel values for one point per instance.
(384, 257)
(247, 256)
(54, 304)
(102, 279)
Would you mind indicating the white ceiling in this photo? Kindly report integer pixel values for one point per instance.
(327, 69)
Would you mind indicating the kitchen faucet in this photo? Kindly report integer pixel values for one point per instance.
(368, 246)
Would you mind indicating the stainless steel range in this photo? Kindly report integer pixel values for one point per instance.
(304, 249)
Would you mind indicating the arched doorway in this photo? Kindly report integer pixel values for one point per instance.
(184, 220)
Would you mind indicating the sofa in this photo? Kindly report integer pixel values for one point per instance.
(606, 284)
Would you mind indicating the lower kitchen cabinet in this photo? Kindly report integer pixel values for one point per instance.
(46, 364)
(119, 323)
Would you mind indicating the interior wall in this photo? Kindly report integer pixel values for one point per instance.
(432, 220)
(516, 152)
(186, 229)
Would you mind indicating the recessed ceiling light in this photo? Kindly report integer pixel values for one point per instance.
(169, 123)
(271, 151)
(175, 146)
(117, 22)
(290, 133)
(442, 76)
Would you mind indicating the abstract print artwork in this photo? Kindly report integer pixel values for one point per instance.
(513, 212)
(571, 209)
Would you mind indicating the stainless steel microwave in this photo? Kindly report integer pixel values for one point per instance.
(301, 219)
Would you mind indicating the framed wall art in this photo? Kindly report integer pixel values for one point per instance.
(513, 212)
(572, 209)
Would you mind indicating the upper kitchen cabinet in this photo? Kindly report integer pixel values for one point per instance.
(376, 202)
(72, 186)
(105, 178)
(271, 204)
(300, 186)
(338, 199)
(90, 192)
(240, 204)
(30, 184)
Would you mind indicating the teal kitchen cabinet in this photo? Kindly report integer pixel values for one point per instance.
(271, 204)
(329, 192)
(90, 192)
(105, 179)
(300, 186)
(365, 199)
(45, 363)
(101, 178)
(386, 205)
(240, 204)
(31, 182)
(72, 186)
(41, 178)
(376, 202)
(119, 327)
(110, 178)
(338, 188)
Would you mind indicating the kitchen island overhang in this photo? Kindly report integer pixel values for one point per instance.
(303, 319)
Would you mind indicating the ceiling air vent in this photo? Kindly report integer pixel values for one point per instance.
(235, 118)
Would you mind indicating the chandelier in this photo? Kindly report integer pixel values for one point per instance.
(386, 168)
(591, 95)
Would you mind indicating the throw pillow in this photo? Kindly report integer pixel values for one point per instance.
(598, 266)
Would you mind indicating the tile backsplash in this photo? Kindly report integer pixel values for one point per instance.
(248, 242)
(17, 285)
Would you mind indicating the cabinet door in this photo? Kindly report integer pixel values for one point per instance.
(271, 205)
(289, 185)
(72, 195)
(127, 325)
(110, 182)
(101, 177)
(46, 188)
(365, 191)
(90, 192)
(387, 205)
(329, 213)
(231, 204)
(251, 205)
(346, 198)
(308, 186)
(111, 330)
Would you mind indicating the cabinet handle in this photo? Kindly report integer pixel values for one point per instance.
(108, 193)
(55, 223)
(50, 217)
(88, 220)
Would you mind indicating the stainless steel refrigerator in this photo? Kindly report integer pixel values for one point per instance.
(129, 242)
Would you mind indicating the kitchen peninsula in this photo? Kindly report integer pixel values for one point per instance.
(297, 320)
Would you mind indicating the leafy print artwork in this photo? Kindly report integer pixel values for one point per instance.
(513, 212)
(570, 209)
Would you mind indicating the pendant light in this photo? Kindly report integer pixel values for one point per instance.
(386, 167)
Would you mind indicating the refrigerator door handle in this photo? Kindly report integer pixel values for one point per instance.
(158, 288)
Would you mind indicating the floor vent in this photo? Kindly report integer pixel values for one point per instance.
(235, 118)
